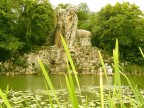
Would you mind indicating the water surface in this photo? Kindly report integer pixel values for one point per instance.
(34, 82)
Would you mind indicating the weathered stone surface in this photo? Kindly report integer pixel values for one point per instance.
(84, 56)
(83, 38)
(66, 25)
(86, 61)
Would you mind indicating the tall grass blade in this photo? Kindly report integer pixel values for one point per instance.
(103, 65)
(70, 60)
(134, 89)
(71, 93)
(101, 91)
(5, 99)
(48, 81)
(116, 65)
(141, 52)
(51, 103)
(117, 79)
(72, 88)
(72, 84)
(110, 101)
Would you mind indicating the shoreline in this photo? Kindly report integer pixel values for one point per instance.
(62, 73)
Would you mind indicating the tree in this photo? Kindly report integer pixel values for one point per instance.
(123, 22)
(36, 23)
(83, 16)
(23, 25)
(9, 43)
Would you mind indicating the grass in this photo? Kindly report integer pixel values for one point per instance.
(116, 94)
(3, 96)
(141, 52)
(114, 98)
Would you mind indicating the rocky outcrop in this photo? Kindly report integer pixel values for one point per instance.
(85, 58)
(67, 21)
(83, 38)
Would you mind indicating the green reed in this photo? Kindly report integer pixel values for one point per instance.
(3, 96)
(137, 102)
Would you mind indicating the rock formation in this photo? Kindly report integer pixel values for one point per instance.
(83, 38)
(66, 25)
(60, 27)
(85, 56)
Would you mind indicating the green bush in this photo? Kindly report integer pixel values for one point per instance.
(25, 24)
(123, 21)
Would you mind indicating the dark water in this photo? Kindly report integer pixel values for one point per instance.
(34, 82)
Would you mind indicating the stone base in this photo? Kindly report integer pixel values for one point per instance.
(86, 61)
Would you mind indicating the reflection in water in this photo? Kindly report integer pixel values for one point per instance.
(34, 82)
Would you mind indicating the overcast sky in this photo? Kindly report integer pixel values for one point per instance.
(96, 5)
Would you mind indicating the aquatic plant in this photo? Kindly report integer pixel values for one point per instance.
(116, 96)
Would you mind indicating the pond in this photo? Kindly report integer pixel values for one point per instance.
(34, 82)
(29, 91)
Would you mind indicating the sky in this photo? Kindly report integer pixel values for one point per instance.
(96, 5)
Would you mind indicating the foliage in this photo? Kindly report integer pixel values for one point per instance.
(24, 24)
(9, 43)
(133, 69)
(123, 22)
(113, 99)
(36, 22)
(83, 16)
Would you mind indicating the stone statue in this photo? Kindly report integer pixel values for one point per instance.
(71, 26)
(66, 25)
(60, 27)
(83, 37)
